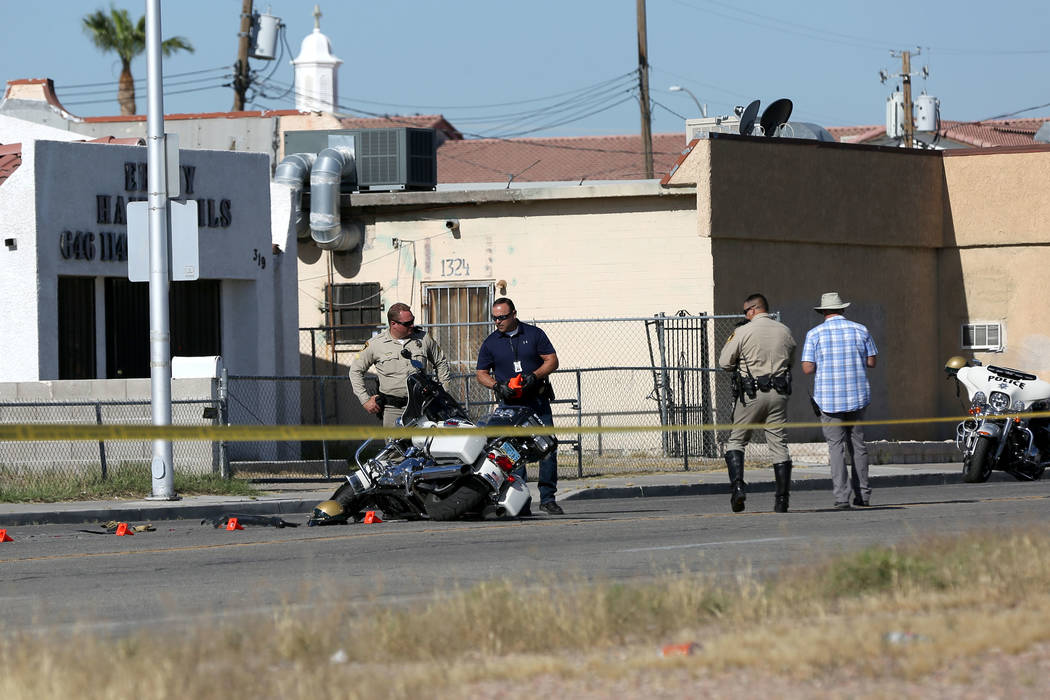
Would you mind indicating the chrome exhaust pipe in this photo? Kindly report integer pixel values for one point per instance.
(441, 472)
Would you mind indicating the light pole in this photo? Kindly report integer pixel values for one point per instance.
(679, 88)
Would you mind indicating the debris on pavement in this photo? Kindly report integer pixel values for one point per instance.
(242, 519)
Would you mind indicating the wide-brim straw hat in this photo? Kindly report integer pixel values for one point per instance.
(831, 301)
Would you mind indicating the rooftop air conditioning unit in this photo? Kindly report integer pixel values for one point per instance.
(703, 127)
(401, 158)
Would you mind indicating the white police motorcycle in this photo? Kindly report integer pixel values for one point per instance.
(445, 475)
(998, 434)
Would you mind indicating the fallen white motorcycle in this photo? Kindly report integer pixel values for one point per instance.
(446, 474)
(998, 434)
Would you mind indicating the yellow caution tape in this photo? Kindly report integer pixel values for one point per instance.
(26, 432)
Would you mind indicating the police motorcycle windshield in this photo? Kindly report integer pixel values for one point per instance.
(1019, 385)
(428, 399)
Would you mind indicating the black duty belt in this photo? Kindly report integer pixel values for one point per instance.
(393, 401)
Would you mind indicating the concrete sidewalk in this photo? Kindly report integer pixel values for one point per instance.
(298, 499)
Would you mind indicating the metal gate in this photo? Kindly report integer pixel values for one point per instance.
(680, 352)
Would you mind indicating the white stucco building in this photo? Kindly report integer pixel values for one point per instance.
(71, 312)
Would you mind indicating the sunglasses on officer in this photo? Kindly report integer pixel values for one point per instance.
(406, 324)
(501, 317)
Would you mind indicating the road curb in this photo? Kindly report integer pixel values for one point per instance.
(147, 513)
(295, 506)
(817, 484)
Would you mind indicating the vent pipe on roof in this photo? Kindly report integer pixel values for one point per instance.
(333, 167)
(293, 171)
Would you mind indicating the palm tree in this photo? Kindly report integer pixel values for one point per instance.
(115, 32)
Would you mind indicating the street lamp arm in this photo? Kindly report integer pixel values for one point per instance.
(679, 88)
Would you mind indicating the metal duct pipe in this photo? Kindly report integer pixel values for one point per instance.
(333, 166)
(293, 171)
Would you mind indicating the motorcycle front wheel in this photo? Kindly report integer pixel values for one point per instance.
(978, 466)
(466, 497)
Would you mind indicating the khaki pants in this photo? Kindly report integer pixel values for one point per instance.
(390, 416)
(767, 407)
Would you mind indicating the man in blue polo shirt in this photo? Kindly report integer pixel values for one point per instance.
(840, 352)
(520, 348)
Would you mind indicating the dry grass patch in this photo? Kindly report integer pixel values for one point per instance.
(947, 602)
(124, 480)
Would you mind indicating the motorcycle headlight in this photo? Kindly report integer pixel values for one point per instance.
(998, 401)
(1018, 406)
(979, 400)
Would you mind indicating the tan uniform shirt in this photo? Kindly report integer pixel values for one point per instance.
(384, 353)
(761, 346)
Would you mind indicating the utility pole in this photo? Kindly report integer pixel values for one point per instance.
(643, 89)
(909, 120)
(908, 127)
(241, 79)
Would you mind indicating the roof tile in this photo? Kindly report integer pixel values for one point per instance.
(555, 159)
(10, 159)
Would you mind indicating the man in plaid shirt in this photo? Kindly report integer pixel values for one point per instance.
(840, 352)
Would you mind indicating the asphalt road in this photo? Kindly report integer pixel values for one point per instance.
(56, 576)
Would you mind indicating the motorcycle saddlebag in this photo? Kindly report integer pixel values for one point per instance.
(536, 447)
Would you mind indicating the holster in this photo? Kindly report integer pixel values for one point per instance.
(781, 383)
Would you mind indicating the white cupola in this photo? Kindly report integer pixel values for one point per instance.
(316, 84)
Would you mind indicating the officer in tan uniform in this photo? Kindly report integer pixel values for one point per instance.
(391, 353)
(759, 354)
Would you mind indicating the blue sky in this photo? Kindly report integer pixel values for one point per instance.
(564, 68)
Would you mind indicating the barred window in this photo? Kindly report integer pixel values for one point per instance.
(983, 336)
(452, 313)
(355, 310)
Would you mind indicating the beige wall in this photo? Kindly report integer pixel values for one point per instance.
(891, 290)
(996, 257)
(561, 258)
(793, 220)
(997, 198)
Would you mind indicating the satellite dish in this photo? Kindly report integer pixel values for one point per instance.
(747, 118)
(775, 115)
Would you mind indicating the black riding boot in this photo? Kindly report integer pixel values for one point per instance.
(735, 464)
(782, 474)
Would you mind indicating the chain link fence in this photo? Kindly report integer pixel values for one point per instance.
(648, 371)
(46, 459)
(659, 371)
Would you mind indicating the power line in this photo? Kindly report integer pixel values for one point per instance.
(668, 109)
(166, 94)
(139, 82)
(779, 24)
(629, 74)
(566, 109)
(591, 93)
(170, 83)
(396, 119)
(575, 117)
